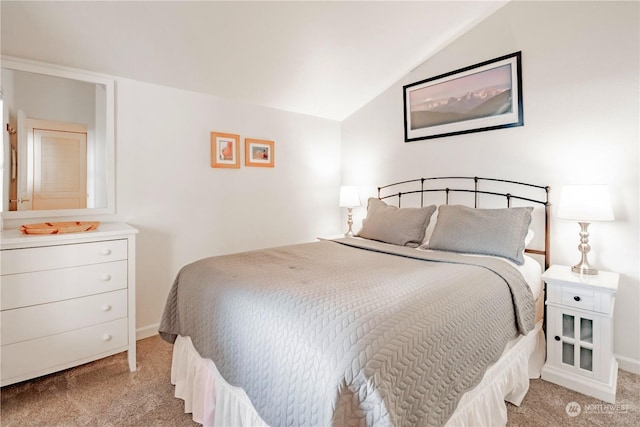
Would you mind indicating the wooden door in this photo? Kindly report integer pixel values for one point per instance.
(59, 169)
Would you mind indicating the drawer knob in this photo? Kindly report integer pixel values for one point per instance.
(106, 337)
(576, 298)
(106, 277)
(106, 307)
(557, 338)
(106, 251)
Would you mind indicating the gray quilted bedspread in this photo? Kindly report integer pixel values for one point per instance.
(350, 332)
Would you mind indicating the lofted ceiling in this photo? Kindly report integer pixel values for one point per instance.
(323, 58)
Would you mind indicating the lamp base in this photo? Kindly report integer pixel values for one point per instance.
(580, 269)
(583, 267)
(349, 232)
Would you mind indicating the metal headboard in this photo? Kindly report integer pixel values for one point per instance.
(421, 186)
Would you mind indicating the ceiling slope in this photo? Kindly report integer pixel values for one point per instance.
(325, 58)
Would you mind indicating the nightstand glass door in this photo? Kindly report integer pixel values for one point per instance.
(576, 338)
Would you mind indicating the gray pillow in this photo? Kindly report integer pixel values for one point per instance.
(499, 232)
(398, 226)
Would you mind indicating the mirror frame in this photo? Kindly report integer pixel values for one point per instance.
(19, 64)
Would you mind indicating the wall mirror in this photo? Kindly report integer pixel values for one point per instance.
(57, 141)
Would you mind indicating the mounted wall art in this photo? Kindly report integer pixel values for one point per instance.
(477, 98)
(258, 152)
(225, 150)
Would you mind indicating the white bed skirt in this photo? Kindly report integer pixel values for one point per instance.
(214, 402)
(506, 380)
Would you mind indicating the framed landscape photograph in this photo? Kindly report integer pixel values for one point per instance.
(258, 152)
(477, 98)
(225, 150)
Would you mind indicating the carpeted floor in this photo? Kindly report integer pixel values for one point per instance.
(105, 393)
(101, 393)
(546, 405)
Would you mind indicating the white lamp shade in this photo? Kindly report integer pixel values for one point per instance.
(349, 196)
(585, 203)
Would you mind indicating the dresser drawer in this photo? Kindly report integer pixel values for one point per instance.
(62, 256)
(37, 321)
(24, 289)
(41, 356)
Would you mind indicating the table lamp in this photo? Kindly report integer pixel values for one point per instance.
(585, 203)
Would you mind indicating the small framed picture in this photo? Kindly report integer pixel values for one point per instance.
(225, 150)
(258, 152)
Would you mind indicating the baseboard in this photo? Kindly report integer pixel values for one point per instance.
(628, 364)
(147, 331)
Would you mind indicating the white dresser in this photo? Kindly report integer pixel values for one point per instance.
(66, 300)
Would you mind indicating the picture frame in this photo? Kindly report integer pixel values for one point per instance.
(480, 97)
(259, 152)
(225, 150)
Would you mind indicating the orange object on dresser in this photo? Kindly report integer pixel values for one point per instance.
(59, 227)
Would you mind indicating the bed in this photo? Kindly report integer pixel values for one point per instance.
(424, 318)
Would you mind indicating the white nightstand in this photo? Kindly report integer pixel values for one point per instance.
(580, 332)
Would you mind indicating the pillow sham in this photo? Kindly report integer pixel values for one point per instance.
(498, 232)
(398, 226)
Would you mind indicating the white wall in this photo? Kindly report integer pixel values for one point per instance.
(580, 87)
(52, 98)
(186, 210)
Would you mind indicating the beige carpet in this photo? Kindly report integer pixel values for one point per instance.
(105, 393)
(101, 393)
(546, 405)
